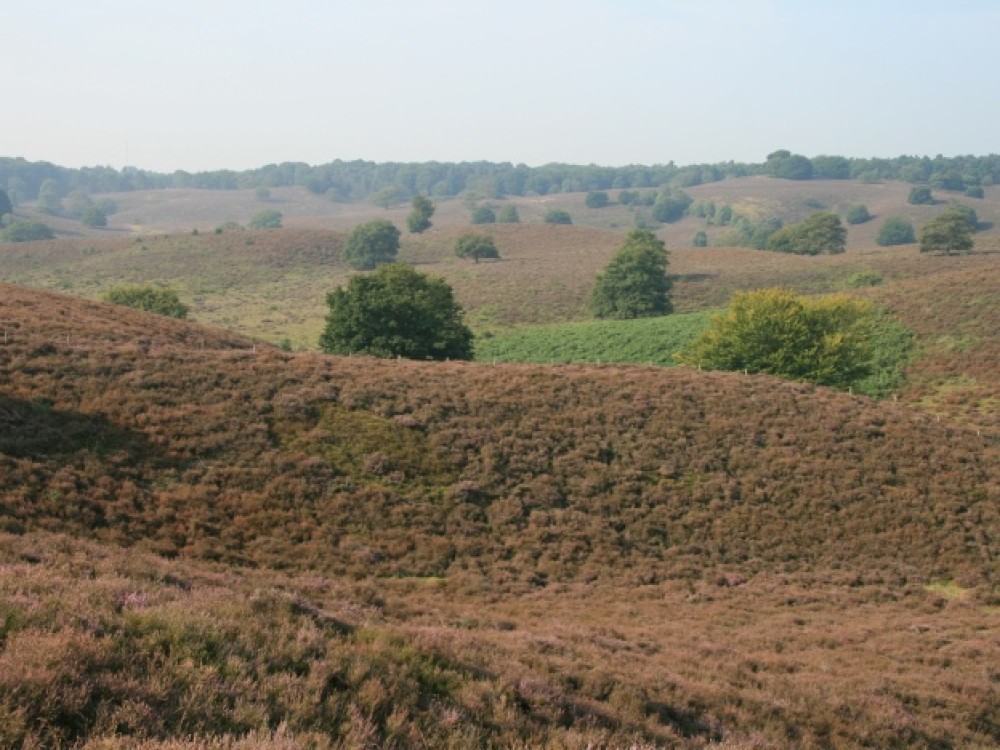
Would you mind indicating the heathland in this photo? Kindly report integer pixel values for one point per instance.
(208, 538)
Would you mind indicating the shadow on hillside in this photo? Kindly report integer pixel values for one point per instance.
(34, 430)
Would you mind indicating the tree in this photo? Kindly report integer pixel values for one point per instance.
(484, 215)
(49, 199)
(969, 212)
(396, 312)
(634, 284)
(93, 216)
(475, 245)
(508, 215)
(896, 230)
(700, 239)
(27, 231)
(826, 341)
(6, 206)
(947, 232)
(975, 191)
(597, 199)
(788, 166)
(920, 196)
(387, 197)
(671, 205)
(161, 301)
(857, 214)
(419, 219)
(266, 219)
(558, 216)
(371, 244)
(821, 232)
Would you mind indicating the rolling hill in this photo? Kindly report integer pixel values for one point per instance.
(206, 537)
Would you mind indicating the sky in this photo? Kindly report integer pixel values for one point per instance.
(169, 85)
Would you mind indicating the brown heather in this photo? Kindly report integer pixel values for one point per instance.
(209, 543)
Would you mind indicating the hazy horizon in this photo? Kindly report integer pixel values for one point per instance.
(224, 85)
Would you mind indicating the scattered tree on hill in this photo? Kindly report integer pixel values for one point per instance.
(267, 219)
(788, 166)
(896, 230)
(387, 197)
(671, 206)
(857, 214)
(508, 215)
(558, 216)
(396, 312)
(821, 232)
(93, 216)
(946, 233)
(419, 219)
(700, 239)
(920, 196)
(970, 214)
(483, 215)
(597, 199)
(6, 206)
(475, 245)
(635, 283)
(27, 231)
(161, 301)
(49, 198)
(826, 341)
(975, 192)
(371, 244)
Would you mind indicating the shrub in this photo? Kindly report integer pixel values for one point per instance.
(597, 199)
(857, 214)
(975, 192)
(826, 341)
(27, 231)
(700, 239)
(267, 219)
(896, 230)
(161, 301)
(820, 233)
(484, 215)
(920, 196)
(558, 216)
(861, 279)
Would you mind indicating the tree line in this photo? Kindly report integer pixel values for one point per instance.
(359, 179)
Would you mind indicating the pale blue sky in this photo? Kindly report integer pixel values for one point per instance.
(234, 84)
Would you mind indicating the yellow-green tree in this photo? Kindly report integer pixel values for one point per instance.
(825, 340)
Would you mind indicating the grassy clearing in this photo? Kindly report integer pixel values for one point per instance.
(651, 341)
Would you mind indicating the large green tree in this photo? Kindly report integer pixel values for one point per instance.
(821, 232)
(948, 232)
(396, 312)
(634, 284)
(825, 340)
(371, 244)
(422, 209)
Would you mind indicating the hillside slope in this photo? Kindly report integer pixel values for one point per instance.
(196, 443)
(204, 539)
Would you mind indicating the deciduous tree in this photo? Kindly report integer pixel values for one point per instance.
(419, 219)
(475, 245)
(371, 244)
(635, 283)
(825, 341)
(396, 312)
(821, 232)
(948, 232)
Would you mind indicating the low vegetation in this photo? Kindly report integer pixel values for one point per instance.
(157, 300)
